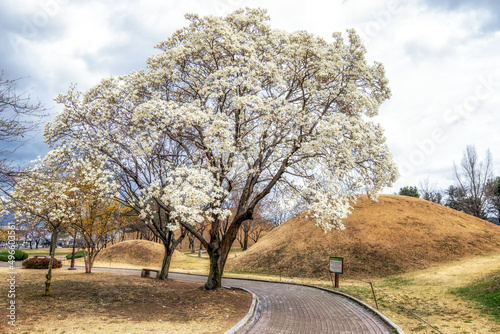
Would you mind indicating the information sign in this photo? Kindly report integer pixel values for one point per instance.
(337, 265)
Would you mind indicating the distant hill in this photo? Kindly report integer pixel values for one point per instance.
(395, 234)
(138, 252)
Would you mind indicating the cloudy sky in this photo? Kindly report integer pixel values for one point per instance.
(442, 61)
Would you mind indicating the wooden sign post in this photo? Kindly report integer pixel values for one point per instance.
(337, 268)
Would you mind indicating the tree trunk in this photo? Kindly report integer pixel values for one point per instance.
(53, 241)
(167, 257)
(219, 251)
(245, 239)
(85, 258)
(89, 258)
(92, 256)
(191, 245)
(215, 275)
(72, 267)
(170, 245)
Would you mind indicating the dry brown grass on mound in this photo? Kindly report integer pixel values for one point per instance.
(395, 234)
(137, 252)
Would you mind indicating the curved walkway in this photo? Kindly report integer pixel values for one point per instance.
(290, 308)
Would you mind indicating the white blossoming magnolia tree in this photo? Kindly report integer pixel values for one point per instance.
(42, 194)
(46, 192)
(231, 101)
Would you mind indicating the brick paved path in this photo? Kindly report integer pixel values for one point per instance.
(299, 309)
(285, 308)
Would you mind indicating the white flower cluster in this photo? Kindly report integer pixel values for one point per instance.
(4, 206)
(53, 188)
(187, 193)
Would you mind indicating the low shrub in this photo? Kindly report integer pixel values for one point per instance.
(41, 263)
(77, 254)
(19, 255)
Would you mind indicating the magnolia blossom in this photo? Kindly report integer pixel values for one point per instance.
(51, 186)
(186, 192)
(4, 206)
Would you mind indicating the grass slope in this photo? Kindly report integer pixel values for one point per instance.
(135, 252)
(396, 234)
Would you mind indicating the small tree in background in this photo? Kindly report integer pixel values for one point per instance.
(494, 202)
(471, 190)
(409, 191)
(45, 191)
(253, 230)
(454, 198)
(429, 192)
(41, 194)
(96, 210)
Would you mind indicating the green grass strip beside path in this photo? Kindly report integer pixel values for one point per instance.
(486, 293)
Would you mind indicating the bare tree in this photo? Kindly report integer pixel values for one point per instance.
(472, 177)
(35, 234)
(19, 116)
(429, 192)
(258, 228)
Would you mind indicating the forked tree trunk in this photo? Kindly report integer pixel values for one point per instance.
(89, 257)
(165, 266)
(219, 252)
(52, 252)
(169, 244)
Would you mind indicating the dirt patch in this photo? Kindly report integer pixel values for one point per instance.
(110, 303)
(394, 235)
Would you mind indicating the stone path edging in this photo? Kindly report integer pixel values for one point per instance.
(251, 316)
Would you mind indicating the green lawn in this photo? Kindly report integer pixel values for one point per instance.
(486, 294)
(45, 251)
